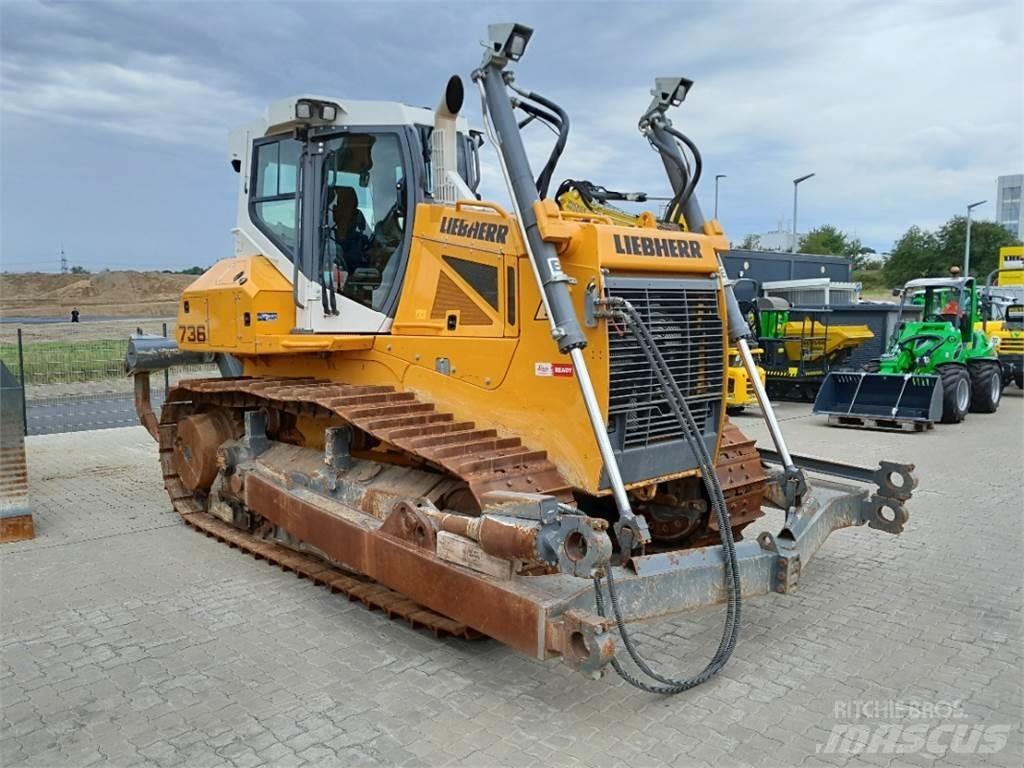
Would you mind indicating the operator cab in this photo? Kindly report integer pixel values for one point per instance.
(942, 300)
(327, 192)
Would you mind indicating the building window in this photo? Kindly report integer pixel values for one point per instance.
(1010, 213)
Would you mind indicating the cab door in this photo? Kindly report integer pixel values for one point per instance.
(336, 208)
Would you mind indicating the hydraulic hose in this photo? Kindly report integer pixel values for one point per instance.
(583, 188)
(537, 113)
(544, 178)
(561, 130)
(698, 166)
(622, 309)
(668, 152)
(589, 192)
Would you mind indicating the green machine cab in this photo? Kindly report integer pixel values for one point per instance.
(934, 369)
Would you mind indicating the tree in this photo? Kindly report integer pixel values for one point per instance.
(76, 270)
(987, 237)
(915, 254)
(750, 243)
(831, 241)
(921, 253)
(192, 271)
(825, 240)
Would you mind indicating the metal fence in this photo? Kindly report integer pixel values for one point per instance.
(73, 374)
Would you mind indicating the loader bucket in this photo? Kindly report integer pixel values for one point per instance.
(880, 400)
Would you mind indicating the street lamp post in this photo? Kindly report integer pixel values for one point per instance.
(967, 240)
(795, 183)
(717, 177)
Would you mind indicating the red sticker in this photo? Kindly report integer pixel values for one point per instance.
(561, 369)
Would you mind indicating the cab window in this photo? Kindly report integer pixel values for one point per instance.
(274, 209)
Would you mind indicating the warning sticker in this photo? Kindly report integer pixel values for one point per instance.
(263, 317)
(541, 313)
(552, 369)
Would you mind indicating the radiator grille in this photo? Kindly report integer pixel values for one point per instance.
(686, 325)
(1009, 345)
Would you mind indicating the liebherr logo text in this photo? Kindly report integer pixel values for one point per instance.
(657, 246)
(477, 230)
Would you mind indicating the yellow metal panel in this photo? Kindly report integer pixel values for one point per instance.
(292, 343)
(232, 304)
(434, 291)
(639, 250)
(482, 364)
(350, 367)
(1011, 256)
(813, 340)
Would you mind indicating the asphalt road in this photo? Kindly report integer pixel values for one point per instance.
(84, 412)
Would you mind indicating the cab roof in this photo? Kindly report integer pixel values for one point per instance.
(279, 118)
(351, 112)
(937, 282)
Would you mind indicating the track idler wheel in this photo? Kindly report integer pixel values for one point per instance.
(195, 447)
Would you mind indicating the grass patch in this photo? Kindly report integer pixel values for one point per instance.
(54, 362)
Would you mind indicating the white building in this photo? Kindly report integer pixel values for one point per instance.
(779, 239)
(1009, 211)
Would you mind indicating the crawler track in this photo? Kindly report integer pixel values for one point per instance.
(484, 461)
(478, 457)
(369, 592)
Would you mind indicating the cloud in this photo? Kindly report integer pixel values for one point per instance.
(905, 111)
(151, 98)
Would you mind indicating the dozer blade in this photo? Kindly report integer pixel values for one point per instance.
(880, 400)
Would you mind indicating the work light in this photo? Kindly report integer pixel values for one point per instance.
(509, 40)
(671, 91)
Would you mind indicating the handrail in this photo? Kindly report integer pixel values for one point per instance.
(460, 204)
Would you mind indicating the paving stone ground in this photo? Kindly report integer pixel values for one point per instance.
(128, 639)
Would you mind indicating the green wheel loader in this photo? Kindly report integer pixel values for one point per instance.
(934, 369)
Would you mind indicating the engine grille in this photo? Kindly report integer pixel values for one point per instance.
(683, 316)
(1011, 346)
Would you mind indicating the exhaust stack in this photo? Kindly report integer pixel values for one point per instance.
(444, 151)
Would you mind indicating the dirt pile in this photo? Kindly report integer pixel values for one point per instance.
(117, 294)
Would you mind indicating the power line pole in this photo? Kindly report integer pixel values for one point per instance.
(63, 261)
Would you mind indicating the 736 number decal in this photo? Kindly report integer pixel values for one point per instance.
(193, 333)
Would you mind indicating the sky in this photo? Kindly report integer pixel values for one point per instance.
(114, 116)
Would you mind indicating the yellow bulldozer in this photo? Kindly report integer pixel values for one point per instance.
(494, 422)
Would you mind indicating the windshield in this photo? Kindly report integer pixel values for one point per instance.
(937, 303)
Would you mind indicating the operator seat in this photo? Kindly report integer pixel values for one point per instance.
(349, 227)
